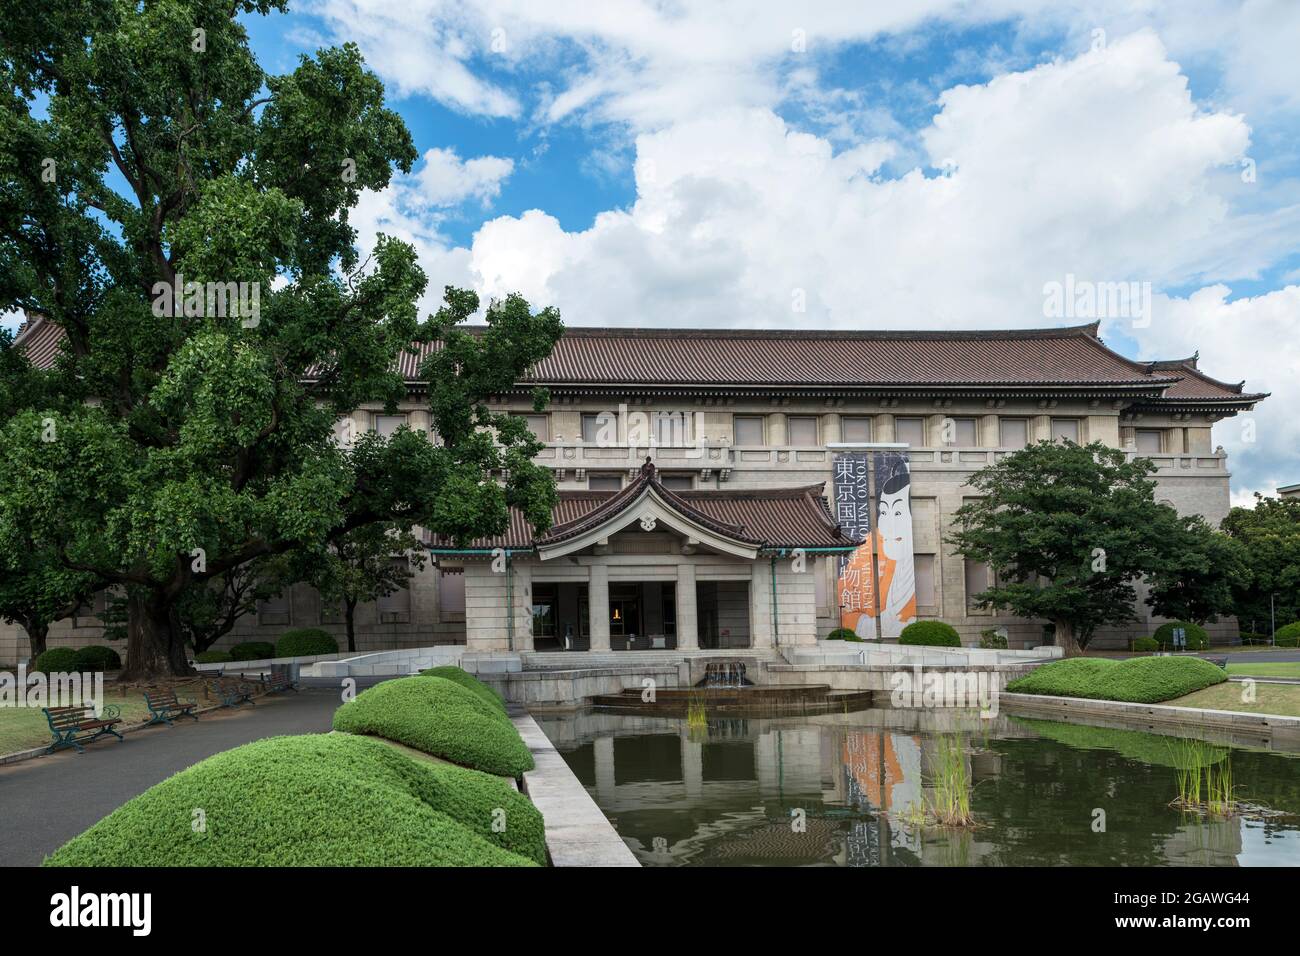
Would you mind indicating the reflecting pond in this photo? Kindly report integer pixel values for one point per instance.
(854, 790)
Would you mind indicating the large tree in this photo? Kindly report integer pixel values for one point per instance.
(1198, 570)
(142, 149)
(1068, 531)
(1270, 535)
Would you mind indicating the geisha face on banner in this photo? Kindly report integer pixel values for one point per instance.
(894, 532)
(894, 519)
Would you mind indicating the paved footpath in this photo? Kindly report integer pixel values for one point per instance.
(46, 801)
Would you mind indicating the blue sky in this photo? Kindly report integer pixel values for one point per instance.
(923, 165)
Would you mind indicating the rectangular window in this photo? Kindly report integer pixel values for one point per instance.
(590, 428)
(1065, 429)
(545, 609)
(1013, 432)
(273, 610)
(748, 429)
(1150, 441)
(965, 432)
(539, 425)
(395, 607)
(677, 482)
(672, 429)
(451, 593)
(387, 424)
(910, 430)
(924, 567)
(604, 482)
(801, 430)
(856, 428)
(977, 580)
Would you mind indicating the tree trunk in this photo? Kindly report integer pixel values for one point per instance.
(37, 636)
(349, 613)
(1065, 638)
(154, 648)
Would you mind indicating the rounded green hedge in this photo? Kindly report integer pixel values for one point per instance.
(844, 634)
(316, 800)
(96, 658)
(1139, 680)
(1288, 636)
(469, 682)
(306, 642)
(252, 651)
(930, 634)
(56, 660)
(213, 657)
(441, 718)
(990, 639)
(1145, 644)
(1197, 639)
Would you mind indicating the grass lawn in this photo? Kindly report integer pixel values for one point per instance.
(1283, 699)
(22, 728)
(1266, 669)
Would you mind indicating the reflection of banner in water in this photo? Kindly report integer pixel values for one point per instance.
(899, 762)
(886, 533)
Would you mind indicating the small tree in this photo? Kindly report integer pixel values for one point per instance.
(1197, 571)
(36, 591)
(366, 565)
(1067, 530)
(1269, 533)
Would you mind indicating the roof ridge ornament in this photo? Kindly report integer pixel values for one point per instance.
(648, 469)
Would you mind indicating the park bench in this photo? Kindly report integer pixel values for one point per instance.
(164, 705)
(1220, 661)
(74, 726)
(234, 692)
(279, 681)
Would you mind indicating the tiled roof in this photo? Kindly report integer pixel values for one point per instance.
(772, 519)
(772, 359)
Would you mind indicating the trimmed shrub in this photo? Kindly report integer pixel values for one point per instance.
(990, 639)
(467, 680)
(252, 651)
(213, 657)
(1145, 644)
(1288, 636)
(305, 642)
(97, 658)
(844, 634)
(315, 800)
(441, 718)
(1140, 680)
(930, 634)
(56, 660)
(1197, 640)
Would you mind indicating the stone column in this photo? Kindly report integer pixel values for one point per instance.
(598, 607)
(692, 766)
(688, 622)
(760, 604)
(603, 748)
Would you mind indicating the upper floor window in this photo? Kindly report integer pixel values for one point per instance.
(387, 424)
(672, 429)
(677, 482)
(856, 428)
(964, 432)
(801, 430)
(539, 425)
(1150, 441)
(910, 430)
(604, 482)
(590, 428)
(1013, 432)
(1065, 429)
(748, 430)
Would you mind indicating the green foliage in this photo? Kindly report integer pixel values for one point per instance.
(990, 639)
(252, 651)
(1288, 636)
(57, 660)
(1197, 639)
(315, 800)
(305, 642)
(469, 682)
(213, 657)
(97, 658)
(1145, 644)
(1198, 569)
(1269, 533)
(441, 718)
(930, 634)
(1142, 680)
(843, 634)
(360, 568)
(1133, 744)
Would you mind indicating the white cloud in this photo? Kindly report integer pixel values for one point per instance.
(446, 180)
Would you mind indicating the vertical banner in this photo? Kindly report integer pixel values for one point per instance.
(878, 580)
(857, 579)
(897, 585)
